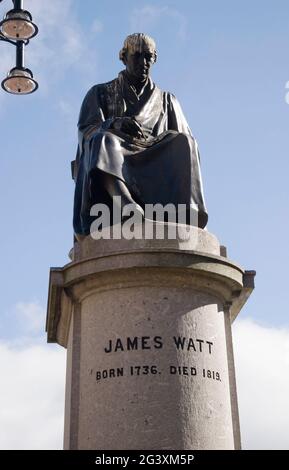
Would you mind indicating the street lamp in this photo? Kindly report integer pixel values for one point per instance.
(20, 79)
(17, 28)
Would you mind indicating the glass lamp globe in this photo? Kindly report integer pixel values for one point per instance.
(20, 82)
(17, 25)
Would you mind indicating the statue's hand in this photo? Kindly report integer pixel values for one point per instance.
(129, 126)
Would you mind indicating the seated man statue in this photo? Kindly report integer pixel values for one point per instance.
(134, 142)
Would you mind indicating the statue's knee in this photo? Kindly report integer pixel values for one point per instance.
(185, 138)
(109, 138)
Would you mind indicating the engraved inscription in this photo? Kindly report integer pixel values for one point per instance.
(183, 344)
(156, 342)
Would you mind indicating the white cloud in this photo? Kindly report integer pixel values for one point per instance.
(31, 397)
(262, 364)
(62, 46)
(23, 321)
(97, 26)
(149, 16)
(32, 383)
(31, 315)
(69, 111)
(7, 61)
(62, 51)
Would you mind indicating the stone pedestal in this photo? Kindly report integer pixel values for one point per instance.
(147, 326)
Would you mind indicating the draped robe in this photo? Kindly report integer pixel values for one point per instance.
(161, 167)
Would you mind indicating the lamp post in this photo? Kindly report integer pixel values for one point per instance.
(17, 28)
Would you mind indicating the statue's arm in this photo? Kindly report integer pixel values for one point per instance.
(91, 119)
(92, 116)
(176, 119)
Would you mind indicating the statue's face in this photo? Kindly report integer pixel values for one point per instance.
(138, 64)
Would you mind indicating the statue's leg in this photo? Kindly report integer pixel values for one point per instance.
(116, 187)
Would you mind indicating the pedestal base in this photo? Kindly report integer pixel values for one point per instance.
(147, 326)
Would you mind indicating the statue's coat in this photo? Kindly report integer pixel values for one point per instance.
(162, 168)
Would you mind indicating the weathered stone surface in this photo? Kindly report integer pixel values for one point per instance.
(148, 330)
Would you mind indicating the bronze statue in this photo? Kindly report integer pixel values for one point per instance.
(134, 142)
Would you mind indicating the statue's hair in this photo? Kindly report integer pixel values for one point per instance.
(136, 43)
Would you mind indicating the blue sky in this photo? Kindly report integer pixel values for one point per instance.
(227, 63)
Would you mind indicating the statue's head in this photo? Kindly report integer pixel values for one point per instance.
(138, 54)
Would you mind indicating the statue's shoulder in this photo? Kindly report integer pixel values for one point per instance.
(164, 95)
(101, 88)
